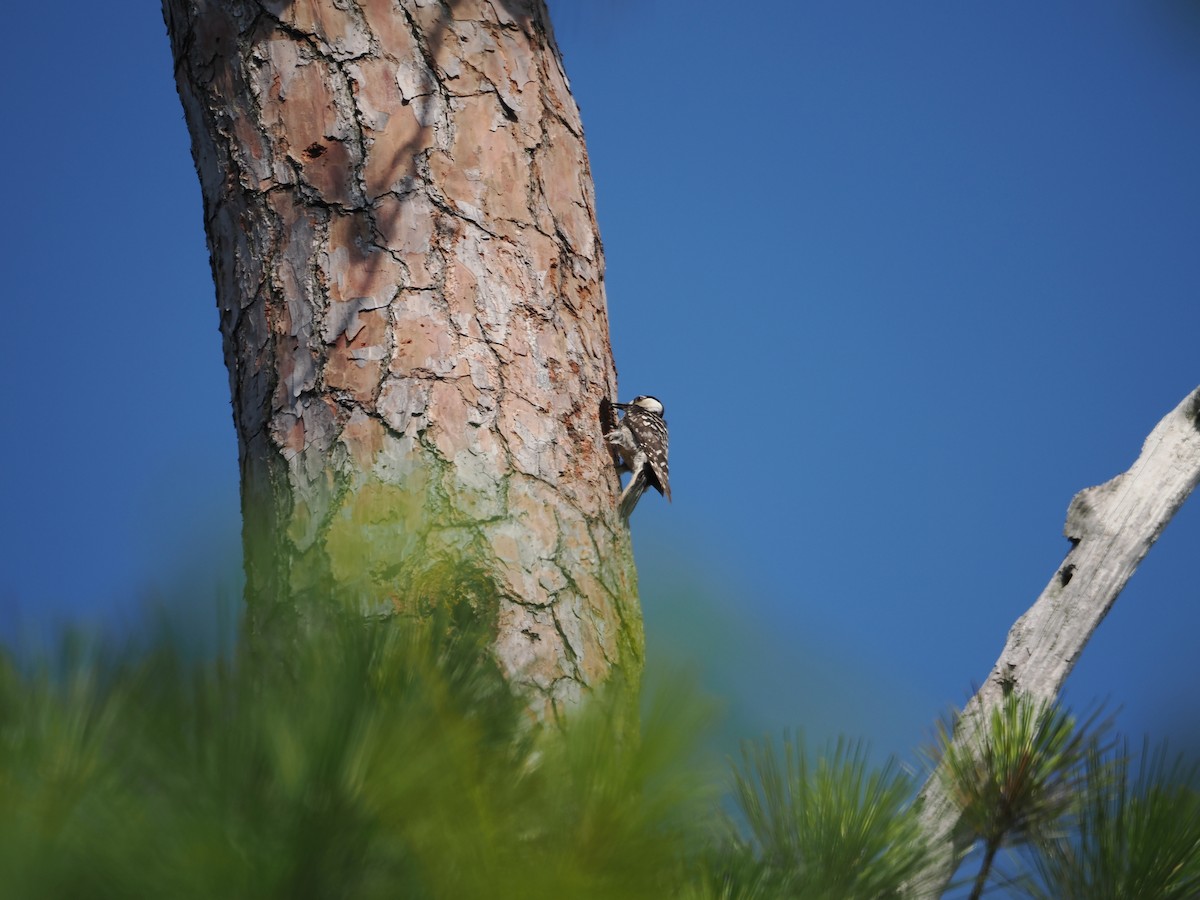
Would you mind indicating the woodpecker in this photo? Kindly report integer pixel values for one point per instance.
(640, 443)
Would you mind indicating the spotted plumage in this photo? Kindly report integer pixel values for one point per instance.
(640, 442)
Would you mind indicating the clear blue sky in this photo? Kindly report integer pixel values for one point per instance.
(906, 276)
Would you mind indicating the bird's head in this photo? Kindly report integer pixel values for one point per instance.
(646, 402)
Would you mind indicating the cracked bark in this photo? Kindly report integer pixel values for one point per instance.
(402, 233)
(1111, 528)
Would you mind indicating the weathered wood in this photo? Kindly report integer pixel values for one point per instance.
(402, 232)
(1111, 528)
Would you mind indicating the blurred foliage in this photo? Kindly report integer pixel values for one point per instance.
(829, 828)
(373, 759)
(1135, 836)
(388, 757)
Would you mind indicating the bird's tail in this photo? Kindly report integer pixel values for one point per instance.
(633, 493)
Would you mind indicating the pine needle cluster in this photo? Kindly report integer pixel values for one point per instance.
(374, 759)
(391, 758)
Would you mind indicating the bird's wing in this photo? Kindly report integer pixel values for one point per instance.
(651, 434)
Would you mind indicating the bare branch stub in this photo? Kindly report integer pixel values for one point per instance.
(1111, 528)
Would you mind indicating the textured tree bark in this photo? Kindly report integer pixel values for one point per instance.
(401, 226)
(1111, 528)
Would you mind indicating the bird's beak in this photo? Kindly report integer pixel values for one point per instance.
(621, 405)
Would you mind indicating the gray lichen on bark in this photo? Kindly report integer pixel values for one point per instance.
(402, 232)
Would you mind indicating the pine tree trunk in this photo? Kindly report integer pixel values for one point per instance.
(402, 232)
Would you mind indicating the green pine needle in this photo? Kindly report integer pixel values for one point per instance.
(1136, 836)
(1020, 775)
(832, 828)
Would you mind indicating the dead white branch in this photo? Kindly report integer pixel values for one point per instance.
(1111, 528)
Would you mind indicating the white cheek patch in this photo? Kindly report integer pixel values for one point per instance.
(651, 405)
